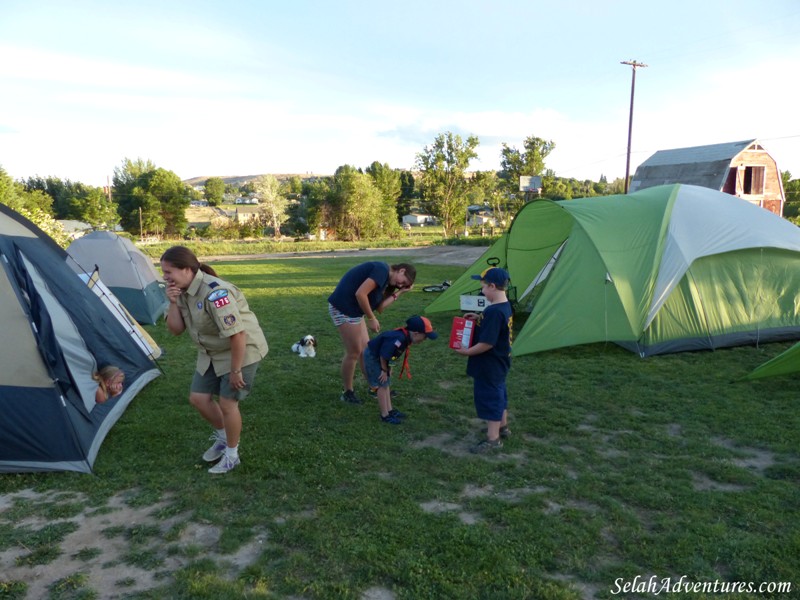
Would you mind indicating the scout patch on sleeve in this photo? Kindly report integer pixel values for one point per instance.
(229, 320)
(219, 298)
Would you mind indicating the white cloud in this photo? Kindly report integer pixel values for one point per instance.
(77, 117)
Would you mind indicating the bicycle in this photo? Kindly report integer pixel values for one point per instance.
(437, 288)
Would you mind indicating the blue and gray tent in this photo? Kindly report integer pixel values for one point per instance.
(55, 334)
(125, 269)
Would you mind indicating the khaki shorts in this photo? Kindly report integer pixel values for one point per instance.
(211, 383)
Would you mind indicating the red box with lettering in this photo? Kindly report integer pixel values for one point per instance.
(461, 332)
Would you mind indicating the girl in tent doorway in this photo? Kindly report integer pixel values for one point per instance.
(110, 380)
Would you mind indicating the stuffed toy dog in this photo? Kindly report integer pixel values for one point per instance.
(306, 347)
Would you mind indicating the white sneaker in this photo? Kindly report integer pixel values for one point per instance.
(217, 449)
(226, 464)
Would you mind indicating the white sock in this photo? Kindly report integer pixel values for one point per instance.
(221, 435)
(232, 452)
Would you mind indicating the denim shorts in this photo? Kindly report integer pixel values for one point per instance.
(372, 365)
(210, 383)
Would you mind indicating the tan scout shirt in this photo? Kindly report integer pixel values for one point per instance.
(213, 310)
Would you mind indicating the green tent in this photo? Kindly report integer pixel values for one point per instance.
(666, 269)
(785, 363)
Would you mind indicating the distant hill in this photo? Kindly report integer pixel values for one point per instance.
(240, 179)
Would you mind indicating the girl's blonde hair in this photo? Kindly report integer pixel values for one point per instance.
(106, 374)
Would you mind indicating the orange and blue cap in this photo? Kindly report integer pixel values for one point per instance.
(421, 325)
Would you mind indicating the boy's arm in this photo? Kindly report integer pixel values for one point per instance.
(386, 370)
(478, 348)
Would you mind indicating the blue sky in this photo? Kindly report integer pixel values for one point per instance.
(244, 87)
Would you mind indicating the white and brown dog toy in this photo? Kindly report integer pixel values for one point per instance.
(306, 347)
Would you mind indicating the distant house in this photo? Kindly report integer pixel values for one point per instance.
(480, 216)
(75, 229)
(246, 213)
(743, 169)
(418, 220)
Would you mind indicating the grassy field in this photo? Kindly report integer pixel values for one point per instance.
(617, 468)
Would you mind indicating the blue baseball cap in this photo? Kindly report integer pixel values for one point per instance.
(495, 275)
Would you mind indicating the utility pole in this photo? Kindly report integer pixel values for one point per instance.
(633, 65)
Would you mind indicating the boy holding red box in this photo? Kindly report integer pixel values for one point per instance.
(490, 358)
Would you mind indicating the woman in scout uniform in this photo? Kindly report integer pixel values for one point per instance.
(230, 345)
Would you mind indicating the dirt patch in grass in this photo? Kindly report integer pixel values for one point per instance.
(754, 459)
(703, 483)
(115, 550)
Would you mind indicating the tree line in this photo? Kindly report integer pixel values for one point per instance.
(353, 204)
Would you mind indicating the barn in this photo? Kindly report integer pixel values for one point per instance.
(743, 169)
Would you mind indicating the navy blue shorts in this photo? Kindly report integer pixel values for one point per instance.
(491, 399)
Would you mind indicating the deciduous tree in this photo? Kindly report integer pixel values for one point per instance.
(36, 206)
(151, 200)
(214, 190)
(387, 180)
(528, 162)
(76, 201)
(316, 194)
(355, 205)
(485, 189)
(273, 202)
(409, 197)
(443, 166)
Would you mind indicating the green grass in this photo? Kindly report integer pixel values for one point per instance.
(617, 467)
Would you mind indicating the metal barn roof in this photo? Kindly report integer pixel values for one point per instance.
(706, 166)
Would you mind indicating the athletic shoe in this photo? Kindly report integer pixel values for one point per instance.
(217, 449)
(350, 396)
(374, 393)
(226, 464)
(391, 419)
(396, 413)
(487, 446)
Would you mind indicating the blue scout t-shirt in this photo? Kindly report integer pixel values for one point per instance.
(493, 326)
(390, 344)
(344, 296)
